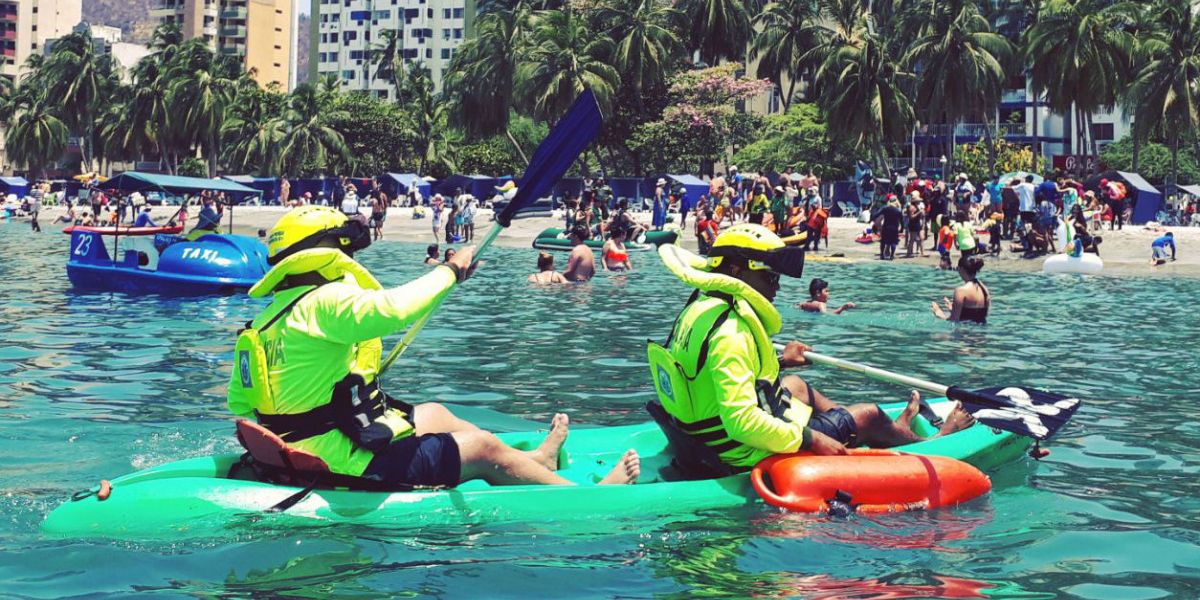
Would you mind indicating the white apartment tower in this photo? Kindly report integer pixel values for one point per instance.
(344, 33)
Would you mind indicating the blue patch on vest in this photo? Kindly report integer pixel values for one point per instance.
(244, 368)
(664, 384)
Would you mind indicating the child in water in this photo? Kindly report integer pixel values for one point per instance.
(818, 291)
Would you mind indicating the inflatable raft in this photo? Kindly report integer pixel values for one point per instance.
(1086, 264)
(159, 263)
(556, 239)
(199, 497)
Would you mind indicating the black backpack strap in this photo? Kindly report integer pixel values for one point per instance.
(285, 310)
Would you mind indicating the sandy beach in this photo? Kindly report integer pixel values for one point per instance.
(1125, 252)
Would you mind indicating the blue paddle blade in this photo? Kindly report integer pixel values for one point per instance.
(573, 132)
(1023, 411)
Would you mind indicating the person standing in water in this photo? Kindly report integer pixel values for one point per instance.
(818, 294)
(614, 256)
(546, 274)
(581, 266)
(330, 314)
(431, 255)
(972, 300)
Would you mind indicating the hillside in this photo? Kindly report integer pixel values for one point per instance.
(132, 16)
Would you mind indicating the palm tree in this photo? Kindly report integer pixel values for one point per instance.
(37, 138)
(388, 54)
(479, 83)
(1079, 53)
(74, 75)
(866, 94)
(719, 28)
(565, 57)
(254, 131)
(787, 30)
(309, 143)
(201, 91)
(1166, 91)
(644, 32)
(434, 137)
(961, 64)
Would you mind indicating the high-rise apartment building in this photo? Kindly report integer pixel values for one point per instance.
(344, 33)
(25, 25)
(258, 31)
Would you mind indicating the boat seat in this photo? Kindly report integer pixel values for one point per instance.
(273, 461)
(692, 458)
(287, 465)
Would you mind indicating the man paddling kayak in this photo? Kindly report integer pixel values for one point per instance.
(721, 373)
(306, 368)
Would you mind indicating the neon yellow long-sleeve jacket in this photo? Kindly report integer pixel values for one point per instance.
(725, 387)
(332, 331)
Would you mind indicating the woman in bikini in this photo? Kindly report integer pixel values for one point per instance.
(972, 300)
(546, 274)
(615, 256)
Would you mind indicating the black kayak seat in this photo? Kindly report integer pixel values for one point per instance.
(692, 458)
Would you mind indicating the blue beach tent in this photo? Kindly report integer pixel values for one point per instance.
(14, 185)
(130, 181)
(692, 185)
(1147, 200)
(398, 184)
(268, 187)
(480, 186)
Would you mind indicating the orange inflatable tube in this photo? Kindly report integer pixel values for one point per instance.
(875, 480)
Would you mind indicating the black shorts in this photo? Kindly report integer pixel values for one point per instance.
(430, 459)
(837, 424)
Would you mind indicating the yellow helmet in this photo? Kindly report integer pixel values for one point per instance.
(760, 247)
(309, 226)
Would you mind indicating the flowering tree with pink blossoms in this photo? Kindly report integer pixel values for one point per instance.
(703, 121)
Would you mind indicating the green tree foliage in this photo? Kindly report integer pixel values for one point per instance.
(798, 139)
(377, 136)
(701, 122)
(193, 167)
(974, 159)
(1155, 161)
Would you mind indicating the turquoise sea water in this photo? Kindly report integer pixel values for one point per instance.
(93, 385)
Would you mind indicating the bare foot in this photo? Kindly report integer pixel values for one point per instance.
(626, 471)
(547, 453)
(914, 406)
(958, 420)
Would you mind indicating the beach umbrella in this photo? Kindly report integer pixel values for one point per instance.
(1005, 178)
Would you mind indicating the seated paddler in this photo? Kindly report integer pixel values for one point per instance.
(306, 368)
(718, 376)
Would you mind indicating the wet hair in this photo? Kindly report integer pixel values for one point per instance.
(545, 261)
(1029, 178)
(617, 231)
(970, 265)
(449, 253)
(580, 232)
(432, 250)
(815, 286)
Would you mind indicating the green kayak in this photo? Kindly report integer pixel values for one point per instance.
(556, 239)
(196, 497)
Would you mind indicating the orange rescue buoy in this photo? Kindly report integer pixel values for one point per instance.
(875, 480)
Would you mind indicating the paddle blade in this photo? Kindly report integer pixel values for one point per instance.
(1023, 411)
(573, 132)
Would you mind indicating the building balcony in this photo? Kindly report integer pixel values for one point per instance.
(966, 132)
(235, 12)
(234, 31)
(233, 49)
(9, 34)
(167, 5)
